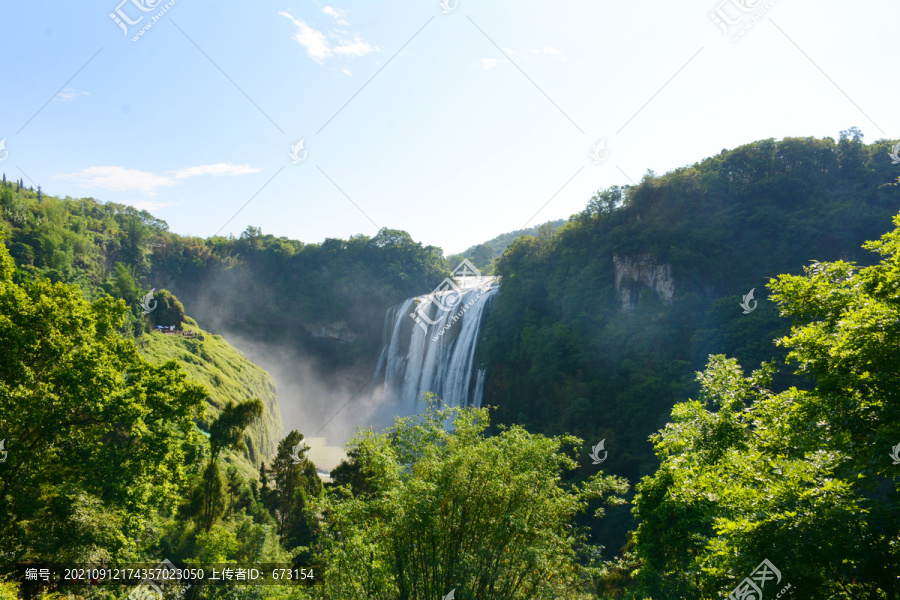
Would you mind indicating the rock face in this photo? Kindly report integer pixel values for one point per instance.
(335, 331)
(635, 272)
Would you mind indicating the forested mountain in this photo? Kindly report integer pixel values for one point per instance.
(599, 327)
(483, 254)
(325, 300)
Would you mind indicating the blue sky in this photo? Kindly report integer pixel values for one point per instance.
(455, 123)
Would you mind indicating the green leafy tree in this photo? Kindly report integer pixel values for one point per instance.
(234, 483)
(96, 437)
(803, 477)
(169, 310)
(486, 517)
(295, 483)
(481, 256)
(227, 431)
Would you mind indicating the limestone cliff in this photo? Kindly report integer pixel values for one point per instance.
(641, 271)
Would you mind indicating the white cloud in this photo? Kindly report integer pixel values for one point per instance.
(120, 179)
(488, 63)
(347, 72)
(317, 44)
(216, 170)
(551, 51)
(337, 14)
(69, 94)
(314, 41)
(358, 47)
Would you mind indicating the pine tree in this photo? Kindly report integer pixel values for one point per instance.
(39, 194)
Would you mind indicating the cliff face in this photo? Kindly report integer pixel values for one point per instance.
(335, 331)
(642, 271)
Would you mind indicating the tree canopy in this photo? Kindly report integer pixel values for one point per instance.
(97, 437)
(485, 516)
(803, 478)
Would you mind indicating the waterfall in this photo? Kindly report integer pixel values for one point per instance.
(430, 344)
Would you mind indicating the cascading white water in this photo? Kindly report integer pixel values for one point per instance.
(430, 345)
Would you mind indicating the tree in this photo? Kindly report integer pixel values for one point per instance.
(486, 517)
(227, 431)
(481, 256)
(802, 477)
(96, 437)
(234, 482)
(296, 482)
(169, 310)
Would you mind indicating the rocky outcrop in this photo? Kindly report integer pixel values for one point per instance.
(635, 272)
(335, 331)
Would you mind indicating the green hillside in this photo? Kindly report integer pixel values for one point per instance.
(482, 255)
(600, 327)
(228, 375)
(99, 248)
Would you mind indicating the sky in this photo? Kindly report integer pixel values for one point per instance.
(454, 120)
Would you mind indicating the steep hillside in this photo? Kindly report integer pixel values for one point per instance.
(228, 375)
(599, 328)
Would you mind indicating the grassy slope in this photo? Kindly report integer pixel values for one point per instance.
(228, 375)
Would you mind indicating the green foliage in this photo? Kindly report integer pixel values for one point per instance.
(9, 590)
(296, 483)
(802, 478)
(297, 287)
(499, 244)
(226, 432)
(169, 311)
(97, 437)
(487, 517)
(228, 376)
(564, 354)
